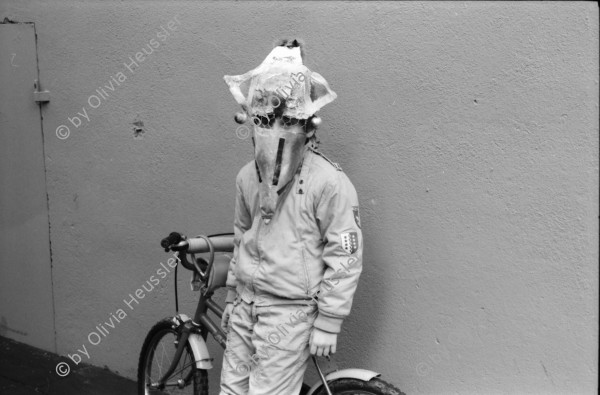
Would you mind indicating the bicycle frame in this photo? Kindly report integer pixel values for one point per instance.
(195, 331)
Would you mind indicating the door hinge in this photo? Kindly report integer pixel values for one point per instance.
(40, 96)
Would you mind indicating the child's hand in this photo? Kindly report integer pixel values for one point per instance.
(322, 343)
(225, 317)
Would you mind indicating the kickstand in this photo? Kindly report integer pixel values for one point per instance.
(321, 375)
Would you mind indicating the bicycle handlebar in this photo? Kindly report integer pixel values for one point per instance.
(221, 243)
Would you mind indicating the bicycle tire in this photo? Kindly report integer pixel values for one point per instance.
(163, 330)
(351, 386)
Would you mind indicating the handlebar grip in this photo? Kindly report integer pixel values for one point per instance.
(221, 243)
(173, 238)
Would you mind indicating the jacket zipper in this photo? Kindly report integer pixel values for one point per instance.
(259, 255)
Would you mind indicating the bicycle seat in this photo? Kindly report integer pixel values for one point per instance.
(217, 277)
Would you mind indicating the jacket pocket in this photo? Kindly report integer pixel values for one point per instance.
(306, 272)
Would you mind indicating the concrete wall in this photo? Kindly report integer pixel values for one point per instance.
(470, 131)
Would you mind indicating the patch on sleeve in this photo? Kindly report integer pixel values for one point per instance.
(350, 242)
(356, 216)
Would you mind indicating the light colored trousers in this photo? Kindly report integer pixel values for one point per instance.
(267, 348)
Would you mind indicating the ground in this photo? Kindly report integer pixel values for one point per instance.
(26, 370)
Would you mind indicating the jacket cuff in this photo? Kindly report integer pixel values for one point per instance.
(328, 324)
(231, 295)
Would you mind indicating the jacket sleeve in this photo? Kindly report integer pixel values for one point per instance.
(338, 218)
(242, 221)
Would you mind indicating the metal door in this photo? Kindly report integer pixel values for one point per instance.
(26, 303)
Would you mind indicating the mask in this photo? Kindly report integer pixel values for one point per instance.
(278, 152)
(279, 96)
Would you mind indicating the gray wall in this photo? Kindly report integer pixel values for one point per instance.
(470, 131)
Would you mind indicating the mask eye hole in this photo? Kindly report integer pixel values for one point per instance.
(264, 121)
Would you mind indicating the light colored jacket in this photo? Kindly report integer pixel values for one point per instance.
(312, 248)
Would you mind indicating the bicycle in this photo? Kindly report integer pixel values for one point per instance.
(178, 343)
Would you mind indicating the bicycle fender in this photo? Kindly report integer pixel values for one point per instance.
(198, 346)
(201, 355)
(360, 374)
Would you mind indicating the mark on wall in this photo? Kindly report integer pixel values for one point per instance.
(4, 328)
(138, 128)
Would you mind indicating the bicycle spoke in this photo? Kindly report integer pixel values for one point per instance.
(176, 372)
(163, 358)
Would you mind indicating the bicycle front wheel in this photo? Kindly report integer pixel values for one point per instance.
(157, 354)
(349, 386)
